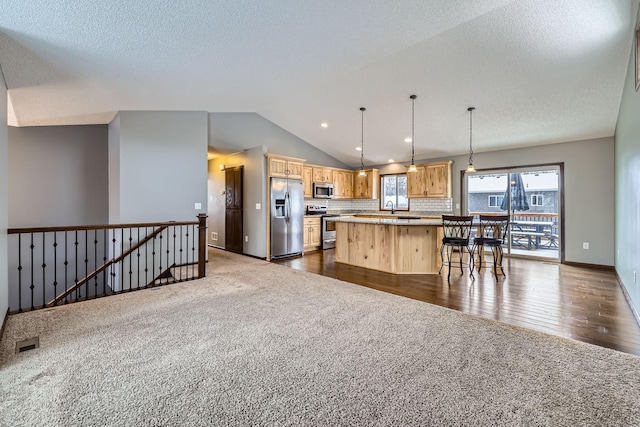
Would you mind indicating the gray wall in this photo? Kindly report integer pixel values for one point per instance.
(158, 166)
(254, 191)
(4, 200)
(588, 184)
(58, 176)
(233, 132)
(627, 199)
(244, 139)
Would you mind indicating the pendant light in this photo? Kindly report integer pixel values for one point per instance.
(470, 168)
(362, 172)
(412, 167)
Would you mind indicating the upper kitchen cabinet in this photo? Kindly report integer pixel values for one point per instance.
(366, 187)
(321, 174)
(342, 184)
(430, 180)
(307, 181)
(438, 179)
(285, 167)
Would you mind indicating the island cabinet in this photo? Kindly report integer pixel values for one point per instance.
(430, 180)
(321, 174)
(307, 181)
(311, 233)
(285, 167)
(366, 187)
(342, 184)
(392, 246)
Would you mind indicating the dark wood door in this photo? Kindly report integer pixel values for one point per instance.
(233, 209)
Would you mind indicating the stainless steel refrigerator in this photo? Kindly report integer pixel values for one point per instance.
(287, 217)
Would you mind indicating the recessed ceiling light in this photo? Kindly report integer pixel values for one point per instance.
(407, 140)
(358, 148)
(391, 160)
(324, 124)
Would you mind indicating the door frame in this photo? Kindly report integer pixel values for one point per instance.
(508, 169)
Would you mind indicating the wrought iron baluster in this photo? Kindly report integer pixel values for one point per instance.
(146, 258)
(32, 285)
(181, 267)
(153, 261)
(122, 260)
(193, 250)
(113, 267)
(174, 252)
(19, 272)
(95, 262)
(44, 267)
(104, 261)
(76, 264)
(186, 272)
(86, 263)
(55, 266)
(66, 266)
(138, 268)
(160, 257)
(130, 260)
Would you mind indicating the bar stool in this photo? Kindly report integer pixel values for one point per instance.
(493, 230)
(457, 231)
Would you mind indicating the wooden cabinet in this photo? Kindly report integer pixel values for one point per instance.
(285, 167)
(417, 182)
(321, 174)
(307, 181)
(438, 179)
(366, 187)
(342, 184)
(312, 233)
(431, 180)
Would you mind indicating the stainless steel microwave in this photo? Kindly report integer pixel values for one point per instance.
(322, 190)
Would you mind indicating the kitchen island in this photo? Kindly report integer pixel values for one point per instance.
(393, 245)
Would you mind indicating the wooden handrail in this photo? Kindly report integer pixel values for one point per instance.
(108, 263)
(98, 227)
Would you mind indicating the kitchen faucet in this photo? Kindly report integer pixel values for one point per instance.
(393, 211)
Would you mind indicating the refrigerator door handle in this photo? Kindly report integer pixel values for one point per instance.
(287, 206)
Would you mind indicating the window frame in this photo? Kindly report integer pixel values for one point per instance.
(537, 197)
(498, 201)
(395, 207)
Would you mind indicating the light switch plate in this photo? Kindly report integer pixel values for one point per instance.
(197, 205)
(258, 206)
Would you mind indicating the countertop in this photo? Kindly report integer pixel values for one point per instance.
(387, 213)
(386, 221)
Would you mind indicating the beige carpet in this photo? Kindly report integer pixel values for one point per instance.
(260, 344)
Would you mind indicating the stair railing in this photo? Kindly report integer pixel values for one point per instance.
(49, 266)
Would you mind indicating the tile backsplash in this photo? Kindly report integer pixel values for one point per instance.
(415, 205)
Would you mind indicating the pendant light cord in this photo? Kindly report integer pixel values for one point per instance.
(413, 120)
(362, 109)
(471, 134)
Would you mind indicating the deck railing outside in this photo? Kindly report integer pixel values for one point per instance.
(49, 266)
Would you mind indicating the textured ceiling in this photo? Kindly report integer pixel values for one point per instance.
(537, 71)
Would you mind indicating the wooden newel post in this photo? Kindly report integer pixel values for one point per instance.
(202, 244)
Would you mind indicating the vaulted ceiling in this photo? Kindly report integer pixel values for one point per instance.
(537, 71)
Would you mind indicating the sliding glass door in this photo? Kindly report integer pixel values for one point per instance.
(530, 196)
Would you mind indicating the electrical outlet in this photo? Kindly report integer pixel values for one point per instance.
(585, 245)
(214, 235)
(246, 238)
(634, 277)
(258, 206)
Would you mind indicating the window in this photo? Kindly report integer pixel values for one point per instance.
(394, 190)
(495, 201)
(536, 200)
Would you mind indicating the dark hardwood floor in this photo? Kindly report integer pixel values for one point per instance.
(573, 302)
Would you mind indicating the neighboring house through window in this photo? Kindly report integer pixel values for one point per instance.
(394, 190)
(495, 201)
(536, 200)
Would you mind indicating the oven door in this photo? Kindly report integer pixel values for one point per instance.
(328, 233)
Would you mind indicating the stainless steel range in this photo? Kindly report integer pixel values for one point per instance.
(328, 227)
